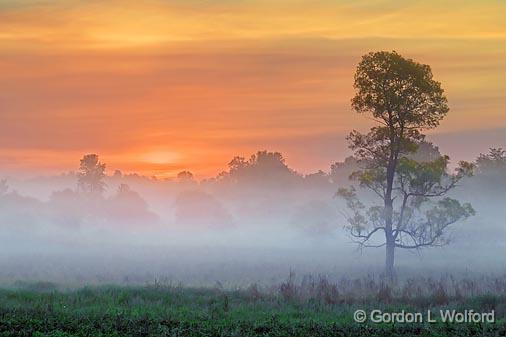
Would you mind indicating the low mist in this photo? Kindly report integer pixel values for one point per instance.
(255, 223)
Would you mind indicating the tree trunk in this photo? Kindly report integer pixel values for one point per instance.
(389, 205)
(389, 259)
(388, 214)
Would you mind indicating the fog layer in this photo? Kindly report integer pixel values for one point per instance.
(253, 223)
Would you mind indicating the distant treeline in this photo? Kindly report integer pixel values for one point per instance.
(260, 187)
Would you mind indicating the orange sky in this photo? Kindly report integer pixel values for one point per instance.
(166, 85)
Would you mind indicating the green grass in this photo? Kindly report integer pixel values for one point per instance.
(42, 310)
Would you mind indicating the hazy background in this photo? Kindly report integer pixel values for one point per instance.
(157, 87)
(251, 223)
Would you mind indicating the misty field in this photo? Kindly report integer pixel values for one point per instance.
(312, 306)
(386, 232)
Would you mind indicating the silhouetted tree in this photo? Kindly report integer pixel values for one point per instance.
(185, 176)
(91, 175)
(318, 179)
(237, 164)
(340, 171)
(117, 174)
(493, 162)
(404, 100)
(264, 167)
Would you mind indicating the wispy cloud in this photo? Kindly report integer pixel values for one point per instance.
(120, 24)
(210, 79)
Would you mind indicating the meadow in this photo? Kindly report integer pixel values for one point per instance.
(307, 306)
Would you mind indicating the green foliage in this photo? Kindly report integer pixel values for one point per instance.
(398, 91)
(419, 221)
(430, 178)
(160, 311)
(404, 99)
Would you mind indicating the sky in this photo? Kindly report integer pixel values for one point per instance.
(160, 86)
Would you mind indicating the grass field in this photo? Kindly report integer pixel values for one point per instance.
(43, 309)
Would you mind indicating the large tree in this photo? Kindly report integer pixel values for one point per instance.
(413, 210)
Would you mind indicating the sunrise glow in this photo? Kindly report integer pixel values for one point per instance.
(160, 86)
